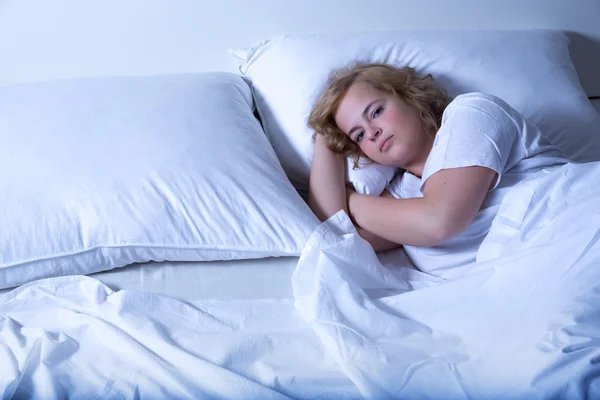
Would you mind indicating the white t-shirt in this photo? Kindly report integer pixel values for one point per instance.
(477, 130)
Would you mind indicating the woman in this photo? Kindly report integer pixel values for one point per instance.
(460, 157)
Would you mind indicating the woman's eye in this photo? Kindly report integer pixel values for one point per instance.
(359, 136)
(377, 112)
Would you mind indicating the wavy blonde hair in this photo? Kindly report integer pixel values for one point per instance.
(421, 92)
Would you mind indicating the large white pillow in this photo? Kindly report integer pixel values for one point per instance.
(531, 70)
(101, 173)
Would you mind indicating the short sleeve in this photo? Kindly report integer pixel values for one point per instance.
(475, 131)
(405, 186)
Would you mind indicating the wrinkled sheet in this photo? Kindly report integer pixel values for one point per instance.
(73, 337)
(524, 322)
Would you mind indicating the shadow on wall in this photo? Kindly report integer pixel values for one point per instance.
(585, 53)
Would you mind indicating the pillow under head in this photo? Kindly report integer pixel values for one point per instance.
(530, 70)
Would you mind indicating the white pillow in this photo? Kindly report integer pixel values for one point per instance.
(101, 173)
(531, 70)
(368, 178)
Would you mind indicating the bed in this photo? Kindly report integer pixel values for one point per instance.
(217, 288)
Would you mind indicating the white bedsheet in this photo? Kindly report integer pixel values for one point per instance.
(523, 323)
(266, 278)
(72, 337)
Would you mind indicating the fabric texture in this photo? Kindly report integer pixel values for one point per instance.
(522, 323)
(99, 173)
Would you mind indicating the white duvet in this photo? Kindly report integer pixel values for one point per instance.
(524, 322)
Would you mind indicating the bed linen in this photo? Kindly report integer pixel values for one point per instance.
(267, 278)
(99, 173)
(264, 278)
(223, 280)
(524, 322)
(72, 337)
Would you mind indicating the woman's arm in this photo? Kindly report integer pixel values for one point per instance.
(326, 187)
(378, 243)
(451, 199)
(327, 191)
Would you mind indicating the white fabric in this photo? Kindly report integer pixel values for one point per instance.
(530, 70)
(482, 130)
(477, 130)
(101, 173)
(264, 278)
(72, 337)
(522, 324)
(369, 178)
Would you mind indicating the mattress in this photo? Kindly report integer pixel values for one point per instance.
(223, 280)
(266, 278)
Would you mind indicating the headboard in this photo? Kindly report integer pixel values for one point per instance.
(42, 39)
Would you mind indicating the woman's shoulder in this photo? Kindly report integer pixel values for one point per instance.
(478, 102)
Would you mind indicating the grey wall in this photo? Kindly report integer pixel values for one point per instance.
(42, 39)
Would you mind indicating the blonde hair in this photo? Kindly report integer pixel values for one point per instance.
(420, 92)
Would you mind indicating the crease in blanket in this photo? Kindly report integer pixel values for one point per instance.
(335, 267)
(72, 337)
(523, 322)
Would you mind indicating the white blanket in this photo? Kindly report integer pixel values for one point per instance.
(72, 337)
(523, 323)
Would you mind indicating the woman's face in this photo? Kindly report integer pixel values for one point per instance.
(387, 129)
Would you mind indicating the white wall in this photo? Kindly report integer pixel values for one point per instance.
(47, 39)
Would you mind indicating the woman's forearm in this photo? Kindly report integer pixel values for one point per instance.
(451, 199)
(327, 190)
(378, 243)
(407, 221)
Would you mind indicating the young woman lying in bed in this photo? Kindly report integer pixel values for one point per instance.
(460, 158)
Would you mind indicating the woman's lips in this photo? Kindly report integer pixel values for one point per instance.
(386, 144)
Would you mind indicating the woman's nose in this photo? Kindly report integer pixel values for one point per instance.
(373, 133)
